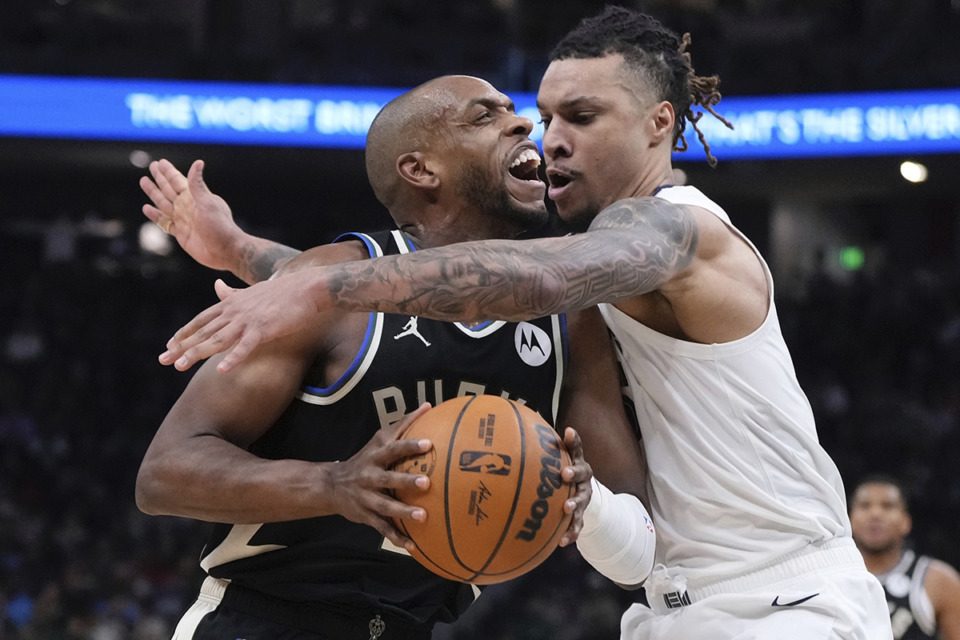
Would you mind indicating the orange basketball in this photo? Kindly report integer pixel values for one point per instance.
(495, 502)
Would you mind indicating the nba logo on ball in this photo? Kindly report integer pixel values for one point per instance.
(495, 502)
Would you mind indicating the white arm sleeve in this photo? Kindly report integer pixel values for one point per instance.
(618, 538)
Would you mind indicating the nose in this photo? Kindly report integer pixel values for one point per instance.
(554, 145)
(519, 126)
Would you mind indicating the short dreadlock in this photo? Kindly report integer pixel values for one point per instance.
(655, 53)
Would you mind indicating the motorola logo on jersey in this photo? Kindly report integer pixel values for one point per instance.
(533, 344)
(496, 464)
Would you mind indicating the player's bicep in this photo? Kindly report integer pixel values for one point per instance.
(327, 254)
(593, 404)
(239, 406)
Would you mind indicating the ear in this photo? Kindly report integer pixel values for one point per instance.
(662, 119)
(907, 526)
(416, 169)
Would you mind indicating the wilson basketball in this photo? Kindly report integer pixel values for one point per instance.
(495, 502)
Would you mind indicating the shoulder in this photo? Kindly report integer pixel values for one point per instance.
(942, 584)
(678, 224)
(326, 254)
(647, 213)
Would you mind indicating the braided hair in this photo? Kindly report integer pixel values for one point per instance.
(655, 54)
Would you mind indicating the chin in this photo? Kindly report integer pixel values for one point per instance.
(577, 220)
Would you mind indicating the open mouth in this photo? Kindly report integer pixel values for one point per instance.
(558, 181)
(525, 165)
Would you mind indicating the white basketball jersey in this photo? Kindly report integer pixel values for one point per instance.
(737, 475)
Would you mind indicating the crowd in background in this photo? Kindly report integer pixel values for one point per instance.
(757, 46)
(81, 394)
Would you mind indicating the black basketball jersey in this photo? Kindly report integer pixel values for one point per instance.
(911, 612)
(403, 362)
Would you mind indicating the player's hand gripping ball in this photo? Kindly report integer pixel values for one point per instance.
(495, 502)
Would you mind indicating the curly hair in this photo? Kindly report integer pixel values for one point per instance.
(657, 55)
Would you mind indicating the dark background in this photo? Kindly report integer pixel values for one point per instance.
(84, 311)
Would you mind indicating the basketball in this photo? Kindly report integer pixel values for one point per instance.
(495, 502)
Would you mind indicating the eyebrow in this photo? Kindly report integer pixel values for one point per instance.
(490, 103)
(573, 102)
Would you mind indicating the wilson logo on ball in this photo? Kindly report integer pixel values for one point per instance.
(496, 464)
(550, 481)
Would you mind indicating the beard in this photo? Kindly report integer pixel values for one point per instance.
(490, 197)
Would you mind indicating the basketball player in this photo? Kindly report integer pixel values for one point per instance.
(288, 453)
(753, 536)
(923, 593)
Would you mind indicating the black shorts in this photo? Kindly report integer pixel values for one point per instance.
(244, 614)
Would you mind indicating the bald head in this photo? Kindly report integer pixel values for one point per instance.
(411, 122)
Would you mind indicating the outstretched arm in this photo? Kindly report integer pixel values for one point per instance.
(633, 247)
(203, 224)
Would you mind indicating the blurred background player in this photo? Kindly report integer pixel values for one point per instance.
(923, 593)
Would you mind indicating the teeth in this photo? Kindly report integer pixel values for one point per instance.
(525, 156)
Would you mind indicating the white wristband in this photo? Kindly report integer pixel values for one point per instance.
(618, 538)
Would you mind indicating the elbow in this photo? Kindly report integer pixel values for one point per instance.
(148, 491)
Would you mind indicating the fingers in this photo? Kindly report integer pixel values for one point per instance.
(205, 336)
(391, 533)
(195, 178)
(236, 355)
(152, 191)
(152, 213)
(401, 425)
(222, 289)
(168, 178)
(579, 471)
(579, 474)
(203, 327)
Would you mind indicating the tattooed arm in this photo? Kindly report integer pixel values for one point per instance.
(203, 224)
(634, 247)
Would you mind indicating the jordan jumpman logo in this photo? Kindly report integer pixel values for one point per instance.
(410, 329)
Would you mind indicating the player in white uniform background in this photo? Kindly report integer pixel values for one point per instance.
(753, 537)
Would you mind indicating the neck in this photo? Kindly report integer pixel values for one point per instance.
(436, 227)
(650, 183)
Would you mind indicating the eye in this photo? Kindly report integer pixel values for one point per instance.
(485, 115)
(545, 122)
(583, 118)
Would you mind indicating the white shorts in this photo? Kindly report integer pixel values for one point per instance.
(822, 592)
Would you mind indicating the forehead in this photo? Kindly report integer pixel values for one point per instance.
(576, 79)
(458, 94)
(878, 492)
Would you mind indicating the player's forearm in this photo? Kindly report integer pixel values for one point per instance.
(212, 480)
(498, 279)
(257, 259)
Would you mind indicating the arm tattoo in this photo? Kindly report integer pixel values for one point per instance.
(261, 263)
(635, 246)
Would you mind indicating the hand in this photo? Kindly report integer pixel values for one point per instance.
(361, 484)
(579, 474)
(184, 207)
(241, 320)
